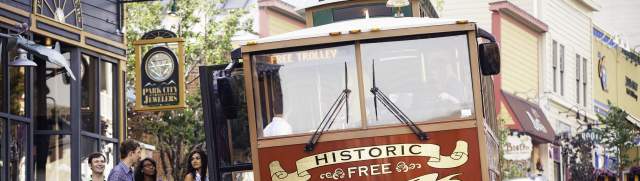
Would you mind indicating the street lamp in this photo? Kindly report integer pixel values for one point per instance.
(173, 10)
(398, 4)
(172, 20)
(578, 115)
(22, 60)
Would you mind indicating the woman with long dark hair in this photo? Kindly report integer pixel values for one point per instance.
(196, 166)
(146, 170)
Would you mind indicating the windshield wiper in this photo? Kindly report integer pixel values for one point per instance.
(387, 103)
(332, 114)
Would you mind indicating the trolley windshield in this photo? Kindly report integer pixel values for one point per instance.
(427, 78)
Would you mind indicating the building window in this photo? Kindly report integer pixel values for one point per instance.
(52, 137)
(359, 11)
(578, 70)
(15, 120)
(98, 102)
(2, 148)
(584, 81)
(555, 66)
(17, 103)
(52, 91)
(53, 157)
(561, 69)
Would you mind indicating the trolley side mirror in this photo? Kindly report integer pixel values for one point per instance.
(489, 55)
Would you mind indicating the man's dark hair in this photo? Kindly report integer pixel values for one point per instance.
(94, 156)
(128, 146)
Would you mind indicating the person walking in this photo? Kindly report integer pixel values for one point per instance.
(96, 164)
(196, 166)
(146, 170)
(130, 154)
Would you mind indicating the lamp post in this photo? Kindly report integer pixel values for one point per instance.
(171, 19)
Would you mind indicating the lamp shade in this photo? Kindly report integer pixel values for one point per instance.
(397, 3)
(22, 60)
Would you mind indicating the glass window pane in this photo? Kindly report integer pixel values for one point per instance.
(297, 89)
(361, 11)
(18, 151)
(107, 98)
(426, 79)
(52, 90)
(2, 74)
(17, 87)
(52, 157)
(88, 146)
(88, 99)
(2, 146)
(109, 151)
(238, 176)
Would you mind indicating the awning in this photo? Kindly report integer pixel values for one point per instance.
(529, 118)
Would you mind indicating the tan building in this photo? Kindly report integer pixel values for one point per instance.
(270, 17)
(616, 76)
(521, 35)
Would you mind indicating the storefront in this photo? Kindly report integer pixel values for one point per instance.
(53, 114)
(529, 125)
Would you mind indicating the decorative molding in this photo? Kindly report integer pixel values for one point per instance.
(282, 7)
(591, 4)
(505, 7)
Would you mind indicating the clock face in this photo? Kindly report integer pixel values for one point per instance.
(63, 11)
(159, 66)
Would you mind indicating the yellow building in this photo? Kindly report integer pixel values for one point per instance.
(616, 76)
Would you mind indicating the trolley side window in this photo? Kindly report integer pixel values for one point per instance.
(297, 89)
(427, 79)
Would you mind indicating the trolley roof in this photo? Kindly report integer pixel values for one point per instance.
(364, 25)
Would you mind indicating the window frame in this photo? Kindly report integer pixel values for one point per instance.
(562, 64)
(584, 80)
(7, 118)
(555, 65)
(578, 77)
(101, 139)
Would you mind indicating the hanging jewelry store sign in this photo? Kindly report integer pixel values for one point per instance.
(447, 156)
(159, 72)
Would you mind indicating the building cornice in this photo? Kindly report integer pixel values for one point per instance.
(513, 11)
(281, 7)
(591, 4)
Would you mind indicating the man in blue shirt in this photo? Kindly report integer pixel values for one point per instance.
(130, 154)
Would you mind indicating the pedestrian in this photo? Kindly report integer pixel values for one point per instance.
(196, 166)
(96, 164)
(130, 154)
(146, 170)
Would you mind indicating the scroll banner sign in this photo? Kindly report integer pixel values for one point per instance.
(160, 72)
(430, 152)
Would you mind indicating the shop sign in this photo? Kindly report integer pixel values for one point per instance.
(518, 148)
(399, 157)
(159, 75)
(602, 72)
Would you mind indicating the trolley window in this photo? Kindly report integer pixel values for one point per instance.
(296, 90)
(427, 79)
